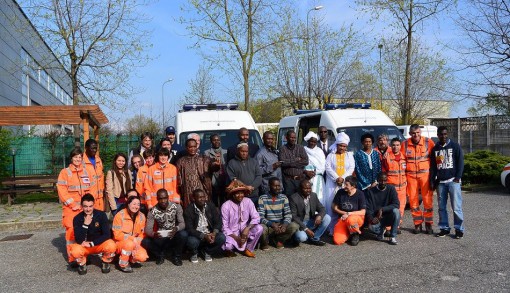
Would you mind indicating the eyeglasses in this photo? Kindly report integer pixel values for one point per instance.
(323, 131)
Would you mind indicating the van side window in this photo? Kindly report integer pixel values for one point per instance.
(281, 136)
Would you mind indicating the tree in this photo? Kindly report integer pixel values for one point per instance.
(336, 69)
(236, 31)
(98, 42)
(486, 25)
(267, 110)
(201, 89)
(140, 123)
(407, 16)
(431, 81)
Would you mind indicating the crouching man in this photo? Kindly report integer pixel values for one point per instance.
(92, 236)
(203, 224)
(383, 209)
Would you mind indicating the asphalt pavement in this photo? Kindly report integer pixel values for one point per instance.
(480, 262)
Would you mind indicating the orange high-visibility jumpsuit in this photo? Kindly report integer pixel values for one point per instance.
(417, 173)
(344, 228)
(145, 195)
(162, 177)
(96, 181)
(395, 166)
(106, 249)
(128, 236)
(73, 182)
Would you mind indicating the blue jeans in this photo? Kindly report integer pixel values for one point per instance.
(391, 218)
(453, 189)
(194, 244)
(301, 236)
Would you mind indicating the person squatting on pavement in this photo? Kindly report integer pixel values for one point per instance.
(73, 182)
(128, 232)
(165, 230)
(308, 212)
(349, 203)
(203, 224)
(240, 221)
(447, 167)
(417, 151)
(382, 209)
(92, 236)
(275, 217)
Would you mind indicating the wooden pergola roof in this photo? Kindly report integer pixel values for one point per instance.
(88, 115)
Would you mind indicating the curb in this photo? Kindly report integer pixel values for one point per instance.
(30, 225)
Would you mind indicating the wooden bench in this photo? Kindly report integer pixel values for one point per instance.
(27, 184)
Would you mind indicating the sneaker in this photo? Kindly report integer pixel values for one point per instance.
(459, 234)
(428, 228)
(207, 256)
(442, 233)
(393, 241)
(194, 258)
(417, 229)
(279, 245)
(127, 269)
(82, 270)
(355, 239)
(74, 265)
(317, 242)
(105, 268)
(264, 245)
(381, 236)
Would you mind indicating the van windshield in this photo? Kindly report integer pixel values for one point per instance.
(355, 134)
(228, 138)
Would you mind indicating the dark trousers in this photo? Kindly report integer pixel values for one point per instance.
(158, 246)
(290, 186)
(194, 244)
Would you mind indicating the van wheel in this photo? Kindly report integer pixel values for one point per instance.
(507, 183)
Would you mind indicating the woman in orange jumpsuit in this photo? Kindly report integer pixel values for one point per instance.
(73, 182)
(349, 203)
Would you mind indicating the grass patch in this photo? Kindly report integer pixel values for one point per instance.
(482, 187)
(35, 197)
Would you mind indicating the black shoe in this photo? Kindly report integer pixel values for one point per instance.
(387, 234)
(428, 229)
(177, 261)
(105, 268)
(317, 242)
(127, 269)
(355, 239)
(442, 233)
(399, 231)
(73, 265)
(136, 265)
(417, 229)
(82, 270)
(459, 234)
(160, 260)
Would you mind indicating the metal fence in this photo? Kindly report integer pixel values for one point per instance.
(479, 133)
(43, 156)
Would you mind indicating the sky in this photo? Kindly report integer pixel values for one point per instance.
(172, 57)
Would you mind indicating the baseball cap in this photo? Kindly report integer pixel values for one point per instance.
(170, 129)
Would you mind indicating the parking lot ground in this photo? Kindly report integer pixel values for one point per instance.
(480, 262)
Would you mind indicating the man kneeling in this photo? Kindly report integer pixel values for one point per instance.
(203, 225)
(92, 236)
(382, 209)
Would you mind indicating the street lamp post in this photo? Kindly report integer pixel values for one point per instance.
(380, 74)
(163, 102)
(308, 51)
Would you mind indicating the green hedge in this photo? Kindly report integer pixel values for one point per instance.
(483, 167)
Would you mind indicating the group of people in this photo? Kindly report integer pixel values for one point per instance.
(169, 198)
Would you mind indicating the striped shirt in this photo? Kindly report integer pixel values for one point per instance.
(275, 210)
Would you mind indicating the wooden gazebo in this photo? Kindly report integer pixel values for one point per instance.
(86, 115)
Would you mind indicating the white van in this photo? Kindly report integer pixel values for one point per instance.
(353, 119)
(429, 131)
(222, 119)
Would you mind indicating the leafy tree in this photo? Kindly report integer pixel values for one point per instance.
(407, 16)
(97, 41)
(201, 88)
(140, 123)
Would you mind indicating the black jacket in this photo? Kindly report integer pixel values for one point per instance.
(297, 207)
(191, 219)
(376, 199)
(97, 232)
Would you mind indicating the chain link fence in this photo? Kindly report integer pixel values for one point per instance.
(491, 132)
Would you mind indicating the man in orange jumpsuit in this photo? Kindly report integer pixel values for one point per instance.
(394, 162)
(94, 166)
(417, 151)
(72, 183)
(162, 175)
(140, 186)
(92, 236)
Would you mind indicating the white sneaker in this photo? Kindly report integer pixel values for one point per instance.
(194, 258)
(393, 241)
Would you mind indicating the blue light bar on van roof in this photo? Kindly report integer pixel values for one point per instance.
(348, 105)
(297, 112)
(198, 107)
